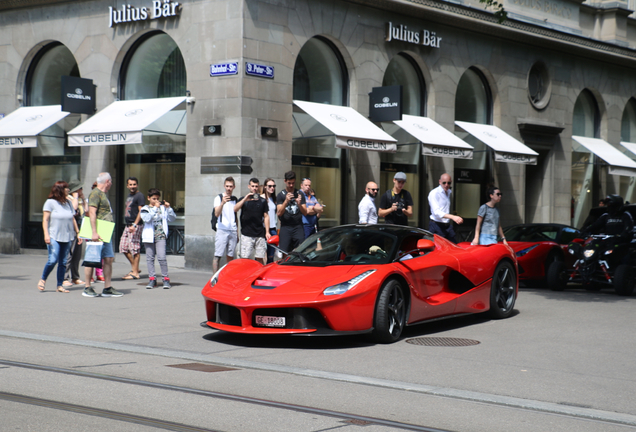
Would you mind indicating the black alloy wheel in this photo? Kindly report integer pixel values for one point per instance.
(390, 312)
(624, 280)
(556, 277)
(503, 291)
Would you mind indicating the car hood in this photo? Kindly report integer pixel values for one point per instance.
(275, 279)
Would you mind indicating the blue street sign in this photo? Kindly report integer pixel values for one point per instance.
(259, 70)
(223, 69)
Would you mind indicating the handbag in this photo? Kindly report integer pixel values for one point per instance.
(93, 254)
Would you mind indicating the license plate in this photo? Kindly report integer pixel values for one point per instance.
(270, 321)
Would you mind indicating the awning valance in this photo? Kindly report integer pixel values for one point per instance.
(619, 164)
(436, 140)
(124, 122)
(352, 129)
(507, 148)
(20, 128)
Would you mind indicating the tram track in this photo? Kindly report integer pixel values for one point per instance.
(166, 425)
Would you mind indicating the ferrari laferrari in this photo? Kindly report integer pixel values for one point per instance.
(373, 279)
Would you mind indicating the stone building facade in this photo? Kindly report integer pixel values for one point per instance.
(552, 70)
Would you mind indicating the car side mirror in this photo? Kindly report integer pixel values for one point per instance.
(273, 240)
(425, 244)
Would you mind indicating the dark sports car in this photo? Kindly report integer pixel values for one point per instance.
(362, 279)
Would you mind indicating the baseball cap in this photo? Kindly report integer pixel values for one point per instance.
(399, 176)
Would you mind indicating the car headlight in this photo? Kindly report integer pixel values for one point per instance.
(588, 253)
(343, 287)
(522, 252)
(215, 278)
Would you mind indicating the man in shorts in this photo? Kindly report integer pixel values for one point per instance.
(130, 243)
(99, 209)
(226, 229)
(254, 219)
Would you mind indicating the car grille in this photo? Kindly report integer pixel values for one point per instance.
(295, 318)
(228, 315)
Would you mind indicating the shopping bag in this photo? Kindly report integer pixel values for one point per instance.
(93, 254)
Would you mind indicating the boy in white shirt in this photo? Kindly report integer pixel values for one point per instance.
(156, 216)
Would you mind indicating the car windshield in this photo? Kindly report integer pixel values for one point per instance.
(531, 233)
(348, 246)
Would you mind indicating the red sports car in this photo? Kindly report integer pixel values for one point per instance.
(362, 279)
(536, 246)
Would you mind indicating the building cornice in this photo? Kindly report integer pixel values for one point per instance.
(21, 4)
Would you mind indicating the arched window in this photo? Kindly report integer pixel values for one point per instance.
(154, 68)
(585, 176)
(402, 70)
(52, 159)
(320, 76)
(473, 103)
(628, 134)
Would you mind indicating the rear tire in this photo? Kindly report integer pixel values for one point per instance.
(555, 276)
(390, 313)
(503, 291)
(624, 280)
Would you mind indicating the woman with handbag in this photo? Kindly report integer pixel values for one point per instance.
(60, 228)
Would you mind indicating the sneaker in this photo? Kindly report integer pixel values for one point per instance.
(111, 292)
(152, 284)
(166, 284)
(89, 292)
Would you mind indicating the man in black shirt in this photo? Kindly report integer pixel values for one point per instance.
(396, 205)
(290, 208)
(130, 243)
(254, 218)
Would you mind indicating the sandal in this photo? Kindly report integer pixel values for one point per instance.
(78, 281)
(41, 284)
(67, 284)
(131, 276)
(62, 289)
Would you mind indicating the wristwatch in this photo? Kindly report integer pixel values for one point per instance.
(135, 225)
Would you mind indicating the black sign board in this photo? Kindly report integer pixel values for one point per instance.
(315, 161)
(463, 175)
(395, 167)
(155, 158)
(385, 104)
(78, 95)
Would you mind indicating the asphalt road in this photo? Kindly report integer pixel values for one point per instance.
(564, 362)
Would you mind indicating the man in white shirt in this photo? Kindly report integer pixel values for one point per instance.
(367, 212)
(439, 203)
(226, 229)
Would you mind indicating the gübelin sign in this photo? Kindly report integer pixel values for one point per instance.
(128, 13)
(404, 34)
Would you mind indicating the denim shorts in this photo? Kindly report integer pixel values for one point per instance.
(487, 239)
(107, 250)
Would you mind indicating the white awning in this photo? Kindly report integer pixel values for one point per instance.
(619, 164)
(436, 140)
(507, 148)
(124, 122)
(20, 128)
(629, 146)
(352, 129)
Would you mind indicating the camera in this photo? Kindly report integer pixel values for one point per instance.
(295, 194)
(163, 202)
(400, 205)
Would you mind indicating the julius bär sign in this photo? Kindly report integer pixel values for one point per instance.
(128, 13)
(418, 37)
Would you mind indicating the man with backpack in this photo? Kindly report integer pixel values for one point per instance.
(226, 228)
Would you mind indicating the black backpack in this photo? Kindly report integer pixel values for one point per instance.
(214, 220)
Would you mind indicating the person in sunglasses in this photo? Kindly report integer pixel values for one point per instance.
(269, 193)
(488, 224)
(439, 202)
(396, 205)
(367, 214)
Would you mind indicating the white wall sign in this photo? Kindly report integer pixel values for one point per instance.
(128, 13)
(403, 34)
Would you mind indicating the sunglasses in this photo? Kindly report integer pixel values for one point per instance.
(271, 186)
(373, 190)
(306, 178)
(447, 183)
(498, 194)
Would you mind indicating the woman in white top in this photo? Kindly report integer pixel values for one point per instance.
(269, 193)
(60, 229)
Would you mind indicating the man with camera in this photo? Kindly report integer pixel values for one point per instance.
(396, 205)
(254, 218)
(226, 228)
(290, 208)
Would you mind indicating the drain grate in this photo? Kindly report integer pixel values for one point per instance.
(201, 367)
(442, 341)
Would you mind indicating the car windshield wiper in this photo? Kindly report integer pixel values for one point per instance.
(302, 256)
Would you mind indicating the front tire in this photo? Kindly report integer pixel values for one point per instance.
(556, 278)
(503, 291)
(624, 280)
(390, 313)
